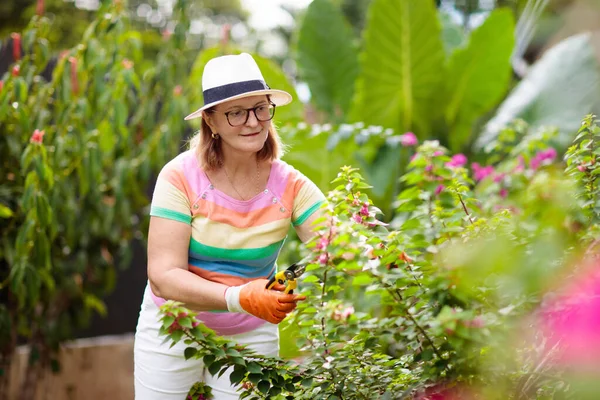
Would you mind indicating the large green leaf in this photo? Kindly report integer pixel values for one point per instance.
(559, 89)
(478, 75)
(273, 74)
(402, 66)
(311, 151)
(327, 58)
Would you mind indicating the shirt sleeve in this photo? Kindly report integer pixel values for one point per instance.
(170, 199)
(308, 198)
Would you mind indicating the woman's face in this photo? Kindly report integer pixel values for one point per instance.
(248, 136)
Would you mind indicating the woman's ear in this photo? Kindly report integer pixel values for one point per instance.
(209, 121)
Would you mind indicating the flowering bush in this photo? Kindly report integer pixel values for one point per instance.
(76, 154)
(444, 302)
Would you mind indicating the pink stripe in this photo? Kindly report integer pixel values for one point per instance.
(281, 172)
(224, 323)
(191, 170)
(230, 323)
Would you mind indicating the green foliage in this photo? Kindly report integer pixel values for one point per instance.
(329, 57)
(401, 66)
(560, 87)
(415, 75)
(76, 155)
(434, 303)
(478, 75)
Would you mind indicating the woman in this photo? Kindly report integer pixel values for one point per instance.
(219, 216)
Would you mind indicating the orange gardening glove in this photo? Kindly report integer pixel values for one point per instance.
(252, 298)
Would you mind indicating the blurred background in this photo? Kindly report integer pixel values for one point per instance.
(113, 79)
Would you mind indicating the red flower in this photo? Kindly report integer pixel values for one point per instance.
(37, 136)
(16, 37)
(15, 70)
(39, 9)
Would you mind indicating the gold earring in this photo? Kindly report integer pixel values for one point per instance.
(215, 135)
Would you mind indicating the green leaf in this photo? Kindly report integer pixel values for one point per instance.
(264, 386)
(254, 367)
(185, 322)
(190, 352)
(559, 89)
(478, 75)
(237, 375)
(327, 58)
(5, 212)
(402, 66)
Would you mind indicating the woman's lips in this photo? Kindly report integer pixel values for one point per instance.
(251, 134)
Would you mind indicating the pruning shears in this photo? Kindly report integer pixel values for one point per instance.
(288, 277)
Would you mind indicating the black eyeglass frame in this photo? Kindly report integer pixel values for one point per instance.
(253, 109)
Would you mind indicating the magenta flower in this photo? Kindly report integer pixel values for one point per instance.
(322, 243)
(323, 258)
(438, 153)
(439, 190)
(572, 322)
(458, 160)
(480, 173)
(409, 139)
(503, 193)
(543, 157)
(365, 209)
(357, 218)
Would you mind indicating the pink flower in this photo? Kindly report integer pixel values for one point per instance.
(582, 168)
(458, 160)
(409, 139)
(365, 209)
(480, 173)
(37, 136)
(572, 322)
(322, 243)
(177, 90)
(439, 190)
(543, 157)
(323, 258)
(438, 153)
(357, 218)
(429, 168)
(127, 64)
(499, 177)
(503, 193)
(347, 312)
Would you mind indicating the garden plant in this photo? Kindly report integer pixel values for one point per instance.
(478, 289)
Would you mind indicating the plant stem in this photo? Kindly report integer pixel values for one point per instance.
(420, 328)
(464, 207)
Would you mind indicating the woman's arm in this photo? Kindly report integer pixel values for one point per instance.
(305, 230)
(168, 247)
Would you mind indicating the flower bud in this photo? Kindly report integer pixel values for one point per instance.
(37, 136)
(16, 37)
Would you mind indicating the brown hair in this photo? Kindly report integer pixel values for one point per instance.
(210, 153)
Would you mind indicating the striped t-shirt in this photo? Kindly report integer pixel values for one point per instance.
(233, 241)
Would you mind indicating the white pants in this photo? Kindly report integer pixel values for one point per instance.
(163, 373)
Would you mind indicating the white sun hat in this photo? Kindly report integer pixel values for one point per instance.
(234, 77)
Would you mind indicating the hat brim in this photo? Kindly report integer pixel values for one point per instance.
(278, 97)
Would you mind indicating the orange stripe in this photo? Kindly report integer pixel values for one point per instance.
(225, 279)
(237, 219)
(176, 178)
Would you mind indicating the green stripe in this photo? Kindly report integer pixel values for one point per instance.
(170, 214)
(308, 213)
(235, 254)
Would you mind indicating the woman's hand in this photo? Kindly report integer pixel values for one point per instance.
(252, 298)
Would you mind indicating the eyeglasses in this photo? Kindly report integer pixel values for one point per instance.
(239, 117)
